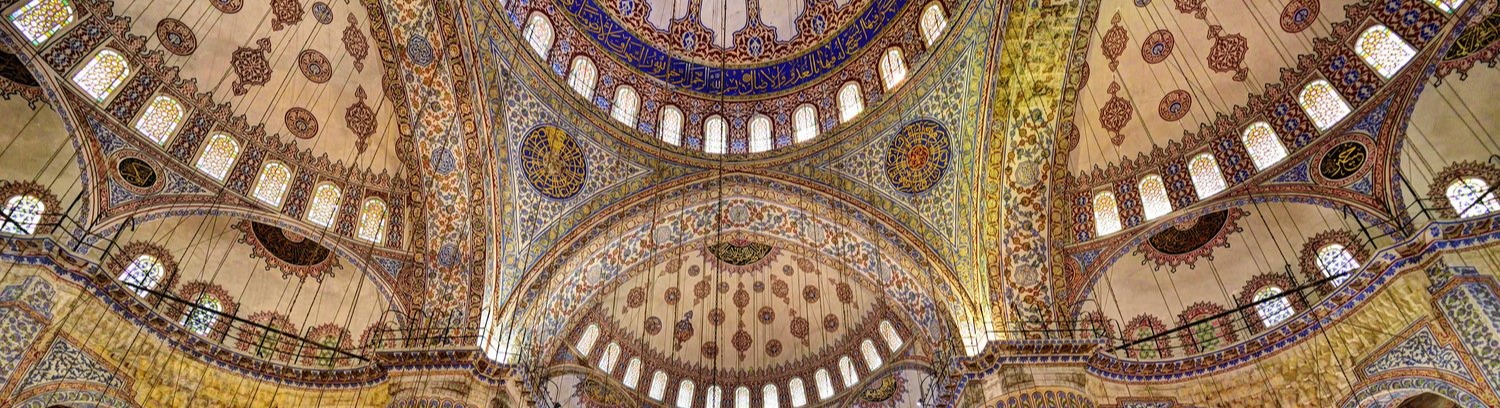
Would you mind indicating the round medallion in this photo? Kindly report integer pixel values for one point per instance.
(1342, 161)
(228, 6)
(301, 123)
(773, 348)
(1175, 105)
(1158, 46)
(917, 156)
(553, 162)
(831, 322)
(716, 316)
(137, 173)
(1189, 235)
(810, 294)
(710, 350)
(314, 66)
(322, 12)
(176, 37)
(800, 328)
(672, 296)
(419, 50)
(1298, 15)
(653, 325)
(766, 315)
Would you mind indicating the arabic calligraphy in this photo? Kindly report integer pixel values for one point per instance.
(1342, 161)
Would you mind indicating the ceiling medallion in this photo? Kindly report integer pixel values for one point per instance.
(288, 251)
(301, 123)
(137, 173)
(251, 66)
(739, 252)
(553, 162)
(917, 156)
(1191, 239)
(176, 37)
(1343, 161)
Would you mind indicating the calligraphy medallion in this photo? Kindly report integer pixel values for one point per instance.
(137, 173)
(1343, 161)
(917, 156)
(553, 162)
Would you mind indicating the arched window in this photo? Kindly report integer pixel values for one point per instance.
(372, 216)
(1264, 146)
(797, 392)
(539, 34)
(1273, 312)
(1447, 6)
(872, 357)
(586, 341)
(805, 123)
(892, 67)
(1384, 50)
(769, 397)
(1334, 259)
(103, 74)
(741, 397)
(715, 131)
(582, 77)
(892, 338)
(1154, 196)
(850, 102)
(846, 370)
(670, 129)
(201, 321)
(270, 187)
(825, 384)
(632, 373)
(1206, 177)
(760, 133)
(1471, 197)
(625, 106)
(24, 212)
(1323, 104)
(713, 397)
(1106, 213)
(143, 274)
(658, 385)
(160, 119)
(40, 19)
(933, 22)
(325, 204)
(218, 155)
(685, 394)
(610, 357)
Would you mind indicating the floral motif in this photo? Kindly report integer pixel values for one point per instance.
(1189, 240)
(1175, 105)
(1298, 15)
(287, 13)
(176, 37)
(1228, 53)
(251, 66)
(314, 66)
(1158, 46)
(1116, 114)
(360, 119)
(294, 254)
(356, 44)
(301, 123)
(1114, 42)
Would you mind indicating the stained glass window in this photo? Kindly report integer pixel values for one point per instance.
(1106, 213)
(218, 155)
(846, 370)
(160, 119)
(202, 321)
(671, 126)
(1206, 177)
(582, 77)
(850, 102)
(805, 123)
(1272, 312)
(685, 394)
(797, 392)
(24, 212)
(1448, 6)
(715, 131)
(625, 106)
(40, 19)
(325, 204)
(1146, 349)
(539, 34)
(825, 384)
(1471, 197)
(610, 357)
(270, 187)
(713, 397)
(892, 68)
(1384, 50)
(632, 373)
(872, 357)
(1334, 259)
(103, 74)
(1204, 336)
(760, 134)
(741, 397)
(143, 274)
(888, 332)
(933, 22)
(1323, 104)
(769, 397)
(586, 341)
(1264, 146)
(658, 385)
(1154, 196)
(372, 220)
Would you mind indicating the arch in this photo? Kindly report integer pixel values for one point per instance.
(933, 22)
(888, 333)
(38, 20)
(1323, 104)
(797, 392)
(75, 397)
(1273, 312)
(160, 119)
(22, 214)
(270, 186)
(583, 76)
(658, 389)
(1391, 392)
(892, 67)
(1447, 6)
(741, 397)
(1263, 144)
(625, 106)
(610, 357)
(824, 382)
(760, 133)
(201, 320)
(103, 74)
(1106, 214)
(632, 373)
(325, 204)
(1207, 179)
(218, 156)
(805, 123)
(1471, 197)
(1383, 50)
(851, 103)
(149, 267)
(539, 34)
(685, 394)
(586, 341)
(1335, 259)
(372, 216)
(847, 373)
(872, 357)
(1154, 198)
(715, 135)
(770, 397)
(670, 129)
(713, 397)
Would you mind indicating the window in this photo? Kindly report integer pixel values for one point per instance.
(1106, 214)
(270, 187)
(741, 397)
(40, 19)
(582, 77)
(769, 397)
(933, 22)
(625, 106)
(586, 341)
(24, 212)
(850, 102)
(1273, 312)
(713, 397)
(1383, 50)
(892, 67)
(632, 373)
(539, 34)
(888, 332)
(143, 274)
(201, 319)
(715, 131)
(671, 126)
(805, 123)
(1154, 196)
(685, 394)
(825, 384)
(160, 119)
(1470, 197)
(325, 204)
(846, 370)
(372, 220)
(1264, 146)
(658, 385)
(1447, 6)
(103, 74)
(760, 134)
(610, 357)
(872, 357)
(1334, 259)
(1206, 177)
(1323, 104)
(218, 155)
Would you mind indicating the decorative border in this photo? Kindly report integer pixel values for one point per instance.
(1437, 192)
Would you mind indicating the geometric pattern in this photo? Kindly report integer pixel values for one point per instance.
(1420, 349)
(1473, 309)
(20, 304)
(64, 362)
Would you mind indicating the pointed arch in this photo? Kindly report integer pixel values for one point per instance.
(825, 384)
(933, 22)
(1154, 196)
(372, 216)
(892, 67)
(770, 397)
(847, 372)
(1207, 179)
(583, 76)
(670, 128)
(610, 357)
(1106, 214)
(1471, 197)
(23, 213)
(1275, 311)
(658, 389)
(797, 392)
(632, 373)
(625, 106)
(805, 123)
(851, 103)
(1335, 259)
(1447, 6)
(685, 394)
(760, 133)
(872, 357)
(715, 135)
(713, 397)
(586, 341)
(539, 34)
